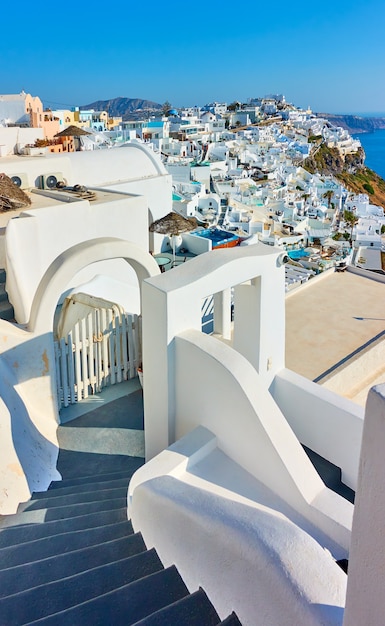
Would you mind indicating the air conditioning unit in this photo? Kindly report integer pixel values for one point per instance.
(20, 180)
(50, 181)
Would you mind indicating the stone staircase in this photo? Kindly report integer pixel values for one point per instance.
(6, 308)
(70, 556)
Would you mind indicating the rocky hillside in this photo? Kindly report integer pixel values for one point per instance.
(355, 123)
(123, 107)
(365, 181)
(350, 171)
(326, 160)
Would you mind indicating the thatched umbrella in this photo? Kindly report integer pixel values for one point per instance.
(173, 225)
(72, 131)
(75, 132)
(11, 196)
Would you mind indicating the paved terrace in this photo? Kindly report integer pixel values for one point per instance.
(328, 319)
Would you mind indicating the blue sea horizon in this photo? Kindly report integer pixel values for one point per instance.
(363, 114)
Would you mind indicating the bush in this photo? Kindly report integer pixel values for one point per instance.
(368, 187)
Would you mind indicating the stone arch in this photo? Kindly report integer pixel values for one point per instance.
(67, 264)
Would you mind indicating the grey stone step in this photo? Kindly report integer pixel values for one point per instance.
(73, 498)
(194, 610)
(22, 577)
(231, 620)
(20, 533)
(3, 293)
(126, 605)
(2, 276)
(74, 464)
(63, 512)
(86, 480)
(60, 595)
(6, 310)
(60, 544)
(83, 488)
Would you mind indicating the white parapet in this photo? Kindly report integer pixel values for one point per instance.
(365, 600)
(248, 555)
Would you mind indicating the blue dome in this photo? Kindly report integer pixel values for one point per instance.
(172, 112)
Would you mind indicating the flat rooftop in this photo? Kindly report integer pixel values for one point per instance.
(41, 199)
(329, 318)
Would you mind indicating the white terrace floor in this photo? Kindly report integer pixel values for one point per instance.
(330, 317)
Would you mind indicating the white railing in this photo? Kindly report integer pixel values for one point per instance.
(101, 350)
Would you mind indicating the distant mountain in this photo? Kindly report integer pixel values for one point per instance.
(355, 123)
(123, 107)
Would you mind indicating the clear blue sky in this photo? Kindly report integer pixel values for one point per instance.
(328, 55)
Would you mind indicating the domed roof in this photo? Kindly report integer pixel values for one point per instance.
(132, 161)
(172, 112)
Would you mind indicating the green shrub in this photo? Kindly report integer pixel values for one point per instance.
(368, 187)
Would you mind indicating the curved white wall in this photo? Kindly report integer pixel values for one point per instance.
(249, 560)
(38, 237)
(233, 403)
(65, 266)
(28, 416)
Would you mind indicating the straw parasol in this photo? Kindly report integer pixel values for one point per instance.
(173, 225)
(72, 131)
(11, 196)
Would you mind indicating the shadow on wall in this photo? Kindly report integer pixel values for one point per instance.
(28, 420)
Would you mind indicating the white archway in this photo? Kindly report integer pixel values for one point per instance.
(67, 264)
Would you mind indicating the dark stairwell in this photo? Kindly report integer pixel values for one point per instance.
(6, 308)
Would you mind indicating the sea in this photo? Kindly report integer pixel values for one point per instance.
(374, 146)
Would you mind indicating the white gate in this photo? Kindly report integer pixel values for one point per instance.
(101, 350)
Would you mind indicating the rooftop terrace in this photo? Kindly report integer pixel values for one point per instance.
(329, 319)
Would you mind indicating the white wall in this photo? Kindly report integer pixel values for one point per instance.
(15, 136)
(196, 245)
(172, 303)
(248, 560)
(28, 416)
(351, 376)
(322, 420)
(233, 399)
(43, 234)
(235, 405)
(365, 599)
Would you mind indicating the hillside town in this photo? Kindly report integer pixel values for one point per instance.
(192, 352)
(239, 168)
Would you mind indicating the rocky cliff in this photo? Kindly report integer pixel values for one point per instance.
(355, 123)
(349, 170)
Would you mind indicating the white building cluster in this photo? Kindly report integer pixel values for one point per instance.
(228, 492)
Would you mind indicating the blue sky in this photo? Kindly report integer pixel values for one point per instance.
(330, 56)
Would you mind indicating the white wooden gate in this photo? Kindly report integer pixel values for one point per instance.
(101, 350)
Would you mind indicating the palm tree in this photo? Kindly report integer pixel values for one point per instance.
(328, 194)
(351, 220)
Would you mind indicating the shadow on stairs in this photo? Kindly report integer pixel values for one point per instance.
(6, 308)
(70, 556)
